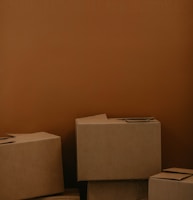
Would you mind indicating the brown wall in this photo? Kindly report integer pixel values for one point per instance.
(71, 58)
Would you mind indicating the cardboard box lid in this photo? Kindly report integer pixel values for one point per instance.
(95, 117)
(103, 119)
(179, 170)
(177, 174)
(188, 180)
(3, 135)
(6, 140)
(26, 137)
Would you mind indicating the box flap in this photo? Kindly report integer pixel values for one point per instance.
(37, 135)
(6, 140)
(6, 136)
(102, 119)
(92, 118)
(179, 170)
(171, 176)
(188, 180)
(137, 119)
(26, 137)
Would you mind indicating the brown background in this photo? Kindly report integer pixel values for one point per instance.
(72, 58)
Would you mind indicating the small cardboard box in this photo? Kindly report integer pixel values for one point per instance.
(69, 194)
(173, 183)
(117, 149)
(117, 190)
(31, 166)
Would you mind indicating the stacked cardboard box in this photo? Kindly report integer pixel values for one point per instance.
(173, 183)
(31, 166)
(116, 155)
(115, 190)
(68, 194)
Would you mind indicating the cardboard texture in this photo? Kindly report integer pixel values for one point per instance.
(117, 190)
(69, 194)
(5, 139)
(173, 183)
(117, 149)
(31, 166)
(94, 118)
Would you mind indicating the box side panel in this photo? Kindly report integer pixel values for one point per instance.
(114, 190)
(118, 152)
(31, 169)
(160, 189)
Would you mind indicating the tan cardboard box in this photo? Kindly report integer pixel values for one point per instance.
(117, 190)
(31, 166)
(117, 149)
(69, 194)
(172, 184)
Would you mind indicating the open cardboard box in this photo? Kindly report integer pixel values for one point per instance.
(117, 148)
(172, 184)
(31, 165)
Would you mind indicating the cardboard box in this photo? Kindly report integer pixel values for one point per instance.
(173, 183)
(31, 166)
(117, 190)
(117, 149)
(69, 194)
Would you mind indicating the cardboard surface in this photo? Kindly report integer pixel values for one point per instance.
(94, 118)
(5, 139)
(117, 190)
(115, 149)
(31, 166)
(179, 170)
(69, 194)
(167, 185)
(171, 176)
